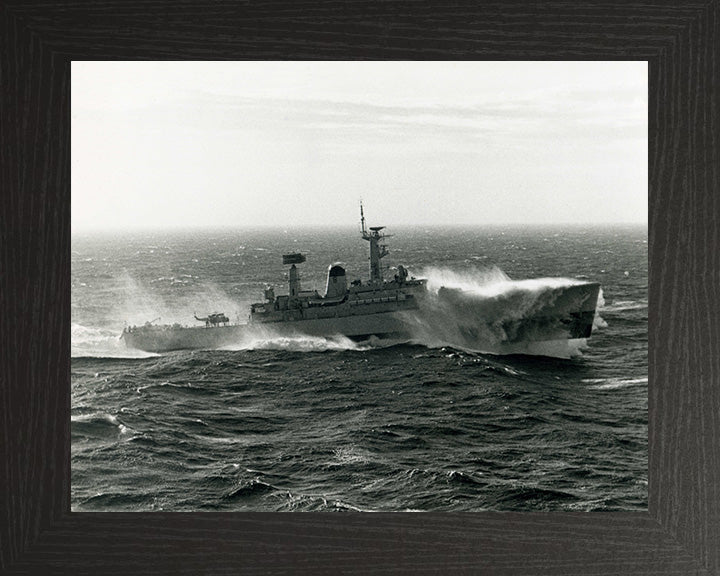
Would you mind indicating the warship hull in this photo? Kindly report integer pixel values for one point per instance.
(399, 307)
(168, 338)
(453, 316)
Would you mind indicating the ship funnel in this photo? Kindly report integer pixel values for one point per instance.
(336, 282)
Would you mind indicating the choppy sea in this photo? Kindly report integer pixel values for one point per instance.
(313, 424)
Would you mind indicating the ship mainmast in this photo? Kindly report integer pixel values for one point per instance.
(377, 250)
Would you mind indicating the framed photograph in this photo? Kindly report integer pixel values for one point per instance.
(602, 466)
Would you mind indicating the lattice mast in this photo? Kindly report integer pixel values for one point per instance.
(377, 250)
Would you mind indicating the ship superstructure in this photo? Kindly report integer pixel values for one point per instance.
(374, 297)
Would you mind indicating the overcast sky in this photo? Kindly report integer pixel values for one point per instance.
(203, 144)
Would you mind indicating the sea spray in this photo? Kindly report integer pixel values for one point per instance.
(472, 279)
(130, 302)
(94, 342)
(490, 282)
(135, 303)
(265, 337)
(598, 322)
(260, 338)
(484, 310)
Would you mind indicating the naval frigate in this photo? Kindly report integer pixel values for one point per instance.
(377, 307)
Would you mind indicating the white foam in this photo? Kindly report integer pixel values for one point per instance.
(616, 383)
(624, 305)
(95, 342)
(109, 418)
(261, 338)
(486, 308)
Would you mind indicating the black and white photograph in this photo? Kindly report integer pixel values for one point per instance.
(392, 286)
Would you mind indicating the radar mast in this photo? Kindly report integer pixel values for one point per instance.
(377, 250)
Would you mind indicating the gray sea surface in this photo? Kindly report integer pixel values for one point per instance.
(315, 424)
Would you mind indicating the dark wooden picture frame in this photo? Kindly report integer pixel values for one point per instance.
(680, 534)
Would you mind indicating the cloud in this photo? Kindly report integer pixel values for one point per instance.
(193, 151)
(578, 113)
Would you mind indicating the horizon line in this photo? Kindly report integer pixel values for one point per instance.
(300, 225)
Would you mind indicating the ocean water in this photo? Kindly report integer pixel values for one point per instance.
(314, 424)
